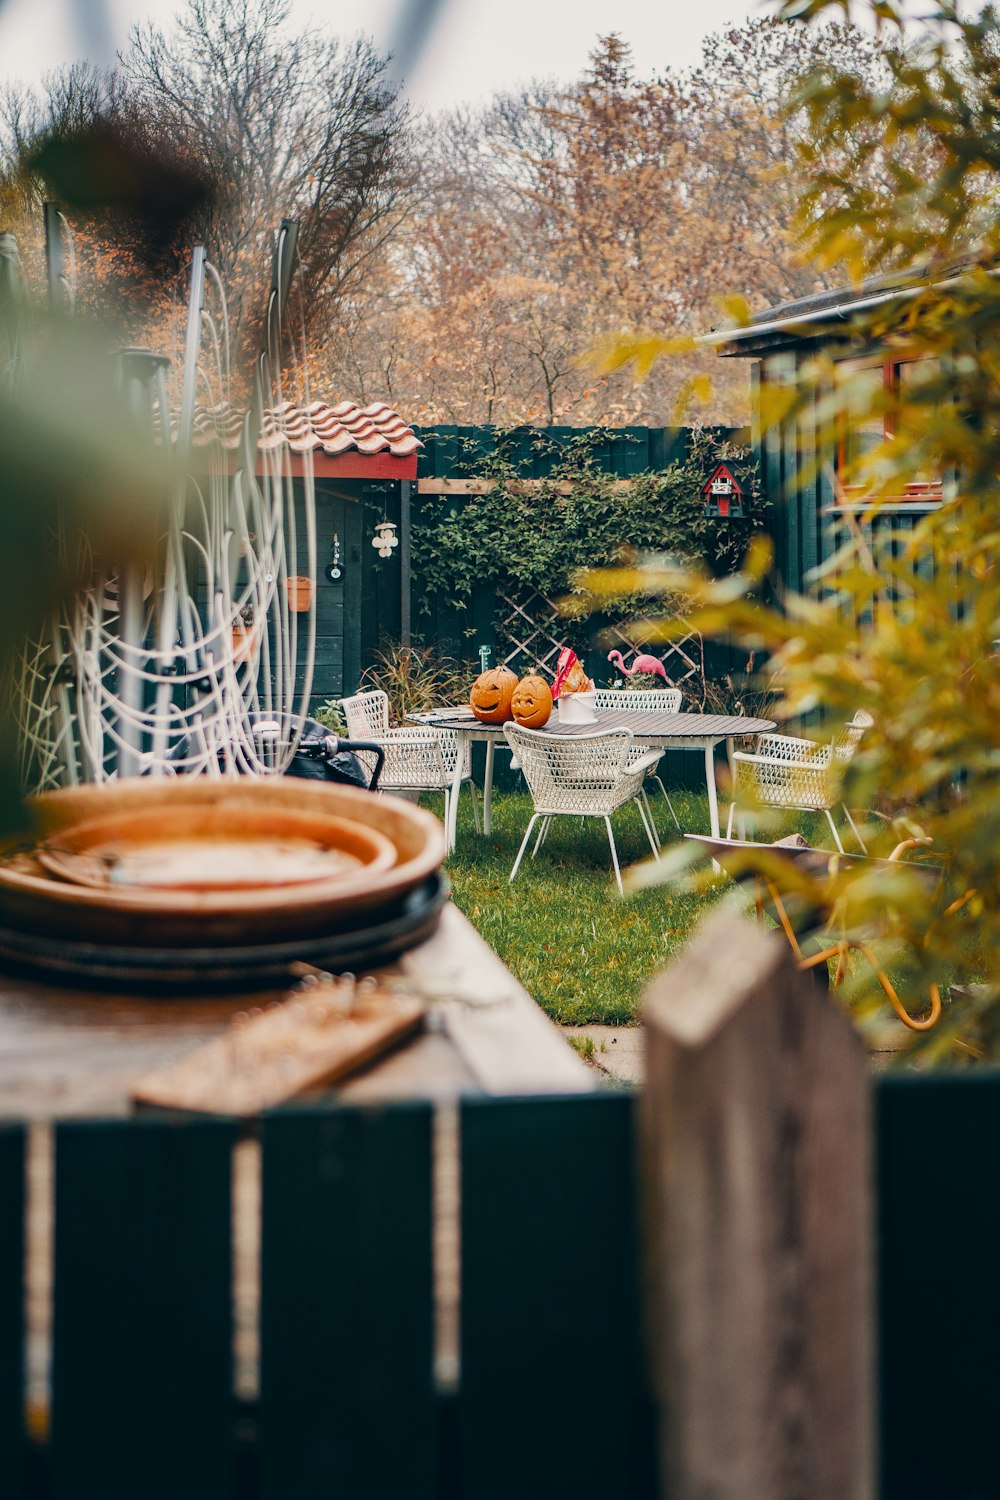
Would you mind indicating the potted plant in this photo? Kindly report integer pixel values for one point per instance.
(244, 634)
(300, 593)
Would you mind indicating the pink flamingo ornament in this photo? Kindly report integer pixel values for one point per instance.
(644, 663)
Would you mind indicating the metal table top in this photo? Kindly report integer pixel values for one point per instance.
(658, 725)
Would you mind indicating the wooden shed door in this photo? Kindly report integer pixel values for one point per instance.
(338, 605)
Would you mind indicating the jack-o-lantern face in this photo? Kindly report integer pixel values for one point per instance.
(491, 695)
(531, 704)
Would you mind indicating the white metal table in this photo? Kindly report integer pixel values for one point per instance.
(670, 731)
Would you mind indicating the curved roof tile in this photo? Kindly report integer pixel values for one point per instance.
(317, 426)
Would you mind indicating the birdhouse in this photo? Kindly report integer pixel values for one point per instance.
(723, 496)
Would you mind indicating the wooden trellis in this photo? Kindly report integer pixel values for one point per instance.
(530, 633)
(683, 661)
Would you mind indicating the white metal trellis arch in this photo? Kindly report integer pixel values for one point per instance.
(143, 673)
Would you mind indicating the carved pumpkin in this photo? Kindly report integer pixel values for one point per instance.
(491, 695)
(531, 704)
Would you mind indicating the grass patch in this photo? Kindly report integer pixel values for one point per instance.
(583, 953)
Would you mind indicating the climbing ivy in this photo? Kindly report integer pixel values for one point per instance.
(519, 536)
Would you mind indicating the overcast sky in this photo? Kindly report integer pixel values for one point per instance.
(470, 48)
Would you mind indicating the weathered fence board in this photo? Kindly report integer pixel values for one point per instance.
(755, 1134)
(12, 1474)
(939, 1248)
(552, 1397)
(142, 1353)
(347, 1400)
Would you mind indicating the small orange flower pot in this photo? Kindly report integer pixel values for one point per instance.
(243, 638)
(300, 593)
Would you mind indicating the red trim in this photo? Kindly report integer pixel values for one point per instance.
(356, 466)
(352, 465)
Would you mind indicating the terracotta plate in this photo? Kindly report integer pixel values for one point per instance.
(190, 848)
(32, 899)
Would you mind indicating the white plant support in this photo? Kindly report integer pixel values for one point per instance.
(142, 675)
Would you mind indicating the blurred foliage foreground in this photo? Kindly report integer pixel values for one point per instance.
(917, 646)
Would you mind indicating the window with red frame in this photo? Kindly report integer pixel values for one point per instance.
(859, 436)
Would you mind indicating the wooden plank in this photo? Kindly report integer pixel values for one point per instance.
(352, 597)
(316, 1037)
(347, 1401)
(505, 1040)
(546, 1353)
(142, 1337)
(939, 1323)
(13, 1481)
(755, 1136)
(486, 486)
(809, 496)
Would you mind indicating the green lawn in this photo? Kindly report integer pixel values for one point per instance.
(582, 952)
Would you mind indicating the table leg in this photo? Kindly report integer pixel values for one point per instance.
(451, 830)
(488, 788)
(713, 796)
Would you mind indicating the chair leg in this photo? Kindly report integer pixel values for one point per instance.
(475, 805)
(647, 823)
(666, 794)
(524, 845)
(729, 822)
(447, 817)
(614, 855)
(648, 814)
(833, 829)
(543, 829)
(854, 830)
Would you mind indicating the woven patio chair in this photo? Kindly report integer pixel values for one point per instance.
(644, 701)
(583, 775)
(416, 759)
(798, 774)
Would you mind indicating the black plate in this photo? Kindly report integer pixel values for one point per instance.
(66, 961)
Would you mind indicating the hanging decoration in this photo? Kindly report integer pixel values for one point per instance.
(334, 572)
(385, 538)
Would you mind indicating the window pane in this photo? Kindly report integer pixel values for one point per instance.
(861, 433)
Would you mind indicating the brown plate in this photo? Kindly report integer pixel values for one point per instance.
(190, 848)
(31, 900)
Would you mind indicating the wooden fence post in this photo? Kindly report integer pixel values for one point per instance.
(756, 1140)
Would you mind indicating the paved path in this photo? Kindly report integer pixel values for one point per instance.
(618, 1050)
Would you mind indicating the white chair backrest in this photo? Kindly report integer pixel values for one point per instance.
(850, 736)
(639, 700)
(572, 769)
(367, 715)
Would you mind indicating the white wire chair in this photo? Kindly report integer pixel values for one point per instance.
(416, 759)
(797, 774)
(583, 775)
(644, 701)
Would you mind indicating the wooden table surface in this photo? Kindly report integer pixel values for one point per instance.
(77, 1052)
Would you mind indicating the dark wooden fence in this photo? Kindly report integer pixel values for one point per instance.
(753, 1143)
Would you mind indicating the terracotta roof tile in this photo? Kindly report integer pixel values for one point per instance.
(317, 427)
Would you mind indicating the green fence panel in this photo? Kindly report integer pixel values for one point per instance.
(347, 1397)
(552, 1397)
(142, 1337)
(12, 1440)
(939, 1315)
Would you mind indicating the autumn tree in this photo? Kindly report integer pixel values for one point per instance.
(552, 216)
(274, 121)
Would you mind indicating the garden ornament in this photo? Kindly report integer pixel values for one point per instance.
(644, 664)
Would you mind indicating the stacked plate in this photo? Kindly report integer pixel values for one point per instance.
(164, 883)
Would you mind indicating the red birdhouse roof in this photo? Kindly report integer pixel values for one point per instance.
(718, 473)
